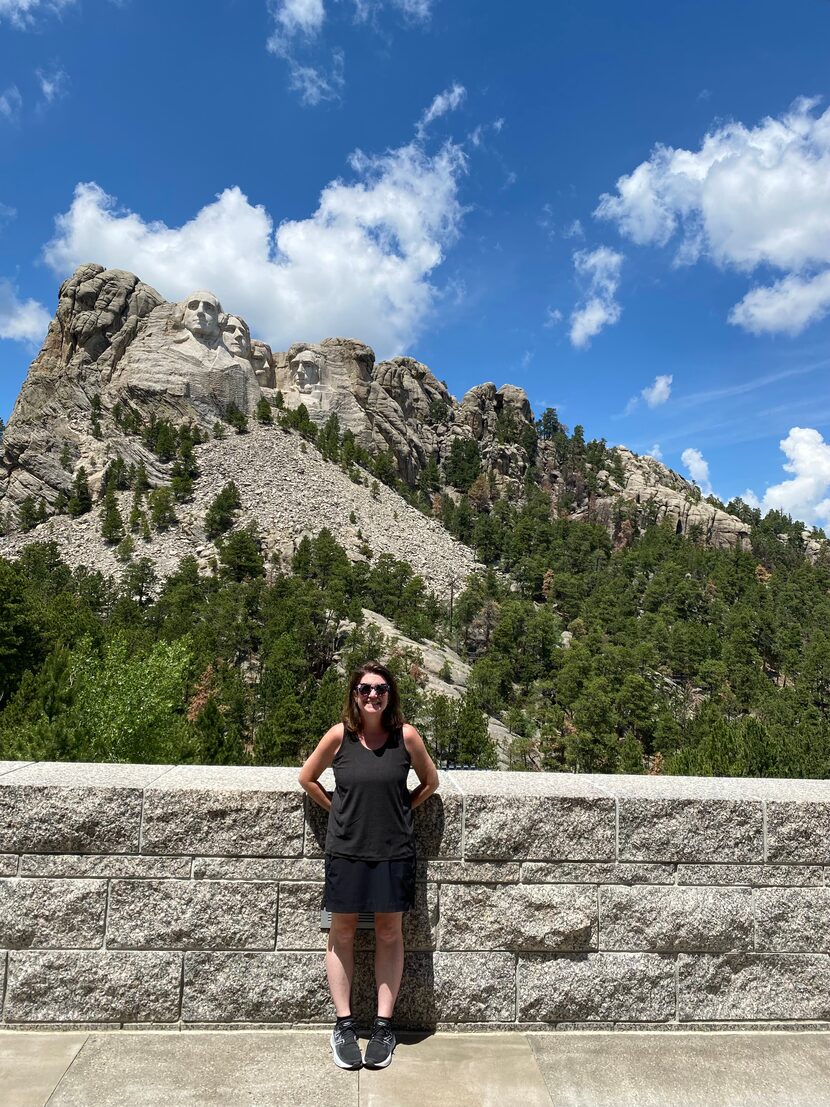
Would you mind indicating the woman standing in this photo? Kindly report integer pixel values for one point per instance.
(370, 848)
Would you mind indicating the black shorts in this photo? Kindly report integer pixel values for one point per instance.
(353, 885)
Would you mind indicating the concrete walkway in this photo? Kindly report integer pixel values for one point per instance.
(564, 1069)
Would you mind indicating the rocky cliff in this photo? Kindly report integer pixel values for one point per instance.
(117, 358)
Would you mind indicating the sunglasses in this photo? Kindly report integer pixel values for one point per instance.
(368, 689)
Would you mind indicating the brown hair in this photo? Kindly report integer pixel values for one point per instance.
(392, 715)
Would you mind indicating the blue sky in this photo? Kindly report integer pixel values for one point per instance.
(625, 209)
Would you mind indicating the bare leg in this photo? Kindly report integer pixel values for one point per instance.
(388, 959)
(340, 960)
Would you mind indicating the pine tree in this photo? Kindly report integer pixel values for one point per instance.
(80, 500)
(162, 512)
(112, 525)
(125, 549)
(464, 463)
(141, 482)
(136, 514)
(181, 483)
(240, 556)
(236, 418)
(27, 514)
(263, 412)
(222, 511)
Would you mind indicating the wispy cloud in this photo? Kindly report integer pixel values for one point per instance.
(714, 395)
(313, 85)
(297, 36)
(448, 100)
(11, 104)
(599, 271)
(23, 14)
(54, 83)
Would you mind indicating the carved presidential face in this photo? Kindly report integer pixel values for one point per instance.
(236, 336)
(200, 315)
(306, 372)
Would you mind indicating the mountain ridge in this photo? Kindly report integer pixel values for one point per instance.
(118, 357)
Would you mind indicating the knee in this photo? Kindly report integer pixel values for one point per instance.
(342, 928)
(388, 931)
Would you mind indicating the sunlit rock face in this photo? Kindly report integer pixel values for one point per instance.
(116, 348)
(100, 312)
(188, 361)
(262, 359)
(236, 336)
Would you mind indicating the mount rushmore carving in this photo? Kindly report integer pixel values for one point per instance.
(115, 346)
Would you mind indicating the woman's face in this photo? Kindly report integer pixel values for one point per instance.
(372, 694)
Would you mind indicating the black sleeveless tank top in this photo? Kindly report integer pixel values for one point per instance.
(371, 816)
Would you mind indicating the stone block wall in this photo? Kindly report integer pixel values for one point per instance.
(134, 895)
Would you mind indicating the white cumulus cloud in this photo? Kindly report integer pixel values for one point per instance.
(359, 265)
(599, 271)
(656, 452)
(804, 495)
(657, 393)
(21, 320)
(448, 100)
(653, 394)
(787, 306)
(698, 469)
(748, 197)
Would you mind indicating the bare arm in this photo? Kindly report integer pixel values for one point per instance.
(422, 764)
(317, 763)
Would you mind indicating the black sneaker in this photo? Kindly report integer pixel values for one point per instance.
(380, 1047)
(344, 1046)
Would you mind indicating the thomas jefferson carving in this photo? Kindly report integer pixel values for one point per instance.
(236, 336)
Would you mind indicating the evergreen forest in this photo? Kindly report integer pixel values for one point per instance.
(622, 648)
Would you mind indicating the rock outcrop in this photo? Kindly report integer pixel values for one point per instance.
(664, 496)
(118, 357)
(99, 313)
(115, 347)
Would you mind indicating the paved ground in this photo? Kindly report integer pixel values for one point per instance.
(561, 1069)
